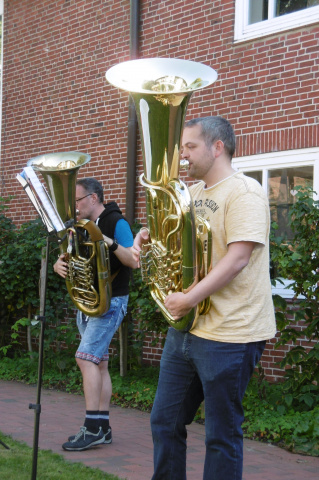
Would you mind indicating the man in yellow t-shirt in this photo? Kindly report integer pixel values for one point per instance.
(242, 311)
(216, 358)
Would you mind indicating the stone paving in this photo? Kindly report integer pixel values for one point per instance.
(130, 454)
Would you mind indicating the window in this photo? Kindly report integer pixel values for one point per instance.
(257, 18)
(281, 183)
(279, 173)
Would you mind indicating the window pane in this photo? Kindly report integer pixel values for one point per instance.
(281, 184)
(258, 11)
(256, 175)
(283, 7)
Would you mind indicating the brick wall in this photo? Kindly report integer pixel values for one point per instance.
(55, 96)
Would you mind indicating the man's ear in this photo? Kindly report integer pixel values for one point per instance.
(219, 147)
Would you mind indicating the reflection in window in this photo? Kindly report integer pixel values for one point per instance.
(283, 7)
(281, 194)
(280, 186)
(260, 10)
(256, 175)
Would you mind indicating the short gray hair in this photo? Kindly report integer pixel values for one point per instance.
(216, 128)
(91, 185)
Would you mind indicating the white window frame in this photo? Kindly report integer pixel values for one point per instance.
(244, 32)
(275, 160)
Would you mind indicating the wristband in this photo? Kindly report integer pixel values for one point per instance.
(114, 246)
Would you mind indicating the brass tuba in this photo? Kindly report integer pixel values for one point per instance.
(88, 280)
(179, 252)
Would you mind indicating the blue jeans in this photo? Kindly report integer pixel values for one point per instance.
(97, 332)
(192, 369)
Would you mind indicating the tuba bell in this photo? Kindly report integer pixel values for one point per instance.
(88, 280)
(179, 252)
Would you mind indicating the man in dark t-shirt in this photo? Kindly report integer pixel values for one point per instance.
(97, 332)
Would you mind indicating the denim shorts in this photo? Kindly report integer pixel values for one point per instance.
(97, 332)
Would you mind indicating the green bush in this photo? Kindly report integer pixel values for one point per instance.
(144, 309)
(297, 260)
(268, 419)
(20, 264)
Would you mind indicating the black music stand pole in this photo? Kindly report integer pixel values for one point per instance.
(37, 407)
(4, 445)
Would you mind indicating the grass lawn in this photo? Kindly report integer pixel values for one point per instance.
(16, 464)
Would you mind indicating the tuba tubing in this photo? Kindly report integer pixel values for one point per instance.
(179, 251)
(89, 280)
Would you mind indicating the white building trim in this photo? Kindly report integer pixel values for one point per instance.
(244, 31)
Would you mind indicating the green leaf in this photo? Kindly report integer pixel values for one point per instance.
(288, 399)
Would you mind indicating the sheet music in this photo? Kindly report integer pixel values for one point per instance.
(40, 199)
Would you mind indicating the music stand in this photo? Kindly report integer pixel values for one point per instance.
(4, 445)
(41, 318)
(54, 224)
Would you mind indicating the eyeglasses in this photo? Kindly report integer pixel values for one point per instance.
(78, 199)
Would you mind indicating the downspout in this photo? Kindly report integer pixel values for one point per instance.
(130, 169)
(132, 121)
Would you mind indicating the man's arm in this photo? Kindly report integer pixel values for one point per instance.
(236, 258)
(124, 254)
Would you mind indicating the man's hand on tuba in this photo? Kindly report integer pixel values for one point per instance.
(178, 304)
(61, 266)
(141, 238)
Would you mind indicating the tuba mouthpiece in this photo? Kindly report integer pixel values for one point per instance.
(184, 164)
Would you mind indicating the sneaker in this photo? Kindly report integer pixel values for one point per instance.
(107, 437)
(84, 440)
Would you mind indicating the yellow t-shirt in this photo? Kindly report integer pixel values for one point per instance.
(237, 210)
